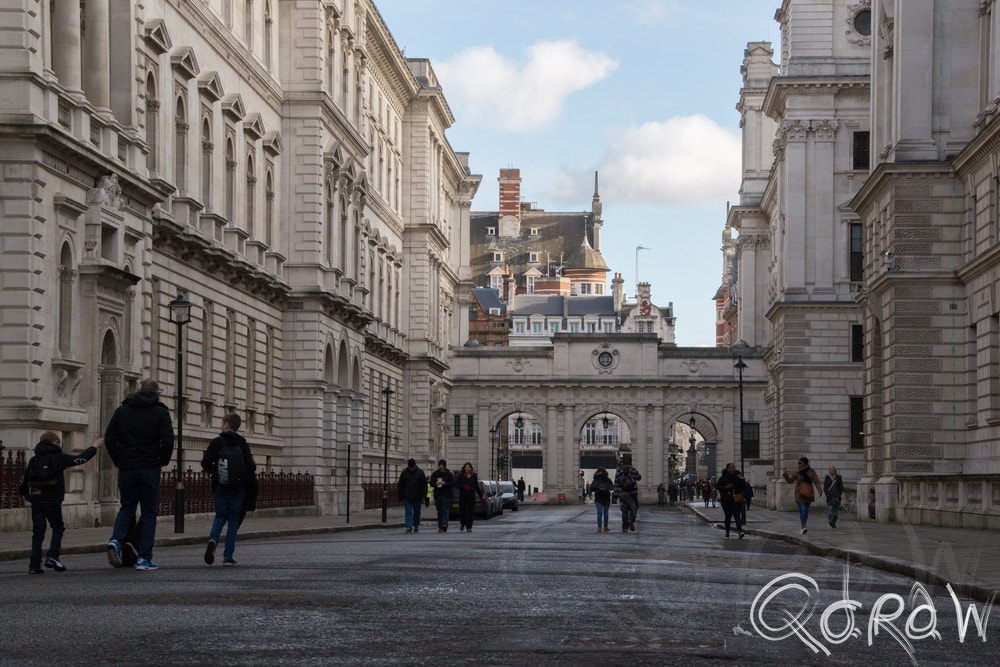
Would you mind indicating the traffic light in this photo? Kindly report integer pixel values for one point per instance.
(581, 474)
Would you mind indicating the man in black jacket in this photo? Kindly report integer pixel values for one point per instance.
(229, 494)
(413, 491)
(140, 441)
(46, 497)
(443, 481)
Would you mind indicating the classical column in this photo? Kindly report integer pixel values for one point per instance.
(571, 455)
(66, 43)
(551, 461)
(656, 472)
(97, 65)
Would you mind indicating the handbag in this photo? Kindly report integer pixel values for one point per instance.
(737, 497)
(806, 492)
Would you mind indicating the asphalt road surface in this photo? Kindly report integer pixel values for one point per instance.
(534, 588)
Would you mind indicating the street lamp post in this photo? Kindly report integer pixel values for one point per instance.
(387, 392)
(493, 454)
(692, 451)
(180, 314)
(741, 345)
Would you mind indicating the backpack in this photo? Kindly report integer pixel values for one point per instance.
(232, 468)
(628, 482)
(43, 471)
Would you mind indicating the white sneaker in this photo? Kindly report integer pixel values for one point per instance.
(146, 564)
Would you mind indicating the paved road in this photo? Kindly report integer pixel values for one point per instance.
(538, 587)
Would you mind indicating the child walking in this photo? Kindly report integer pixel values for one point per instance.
(44, 485)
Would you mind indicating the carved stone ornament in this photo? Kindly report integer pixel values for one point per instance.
(693, 365)
(518, 365)
(107, 193)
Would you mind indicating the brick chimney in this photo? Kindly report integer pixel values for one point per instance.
(510, 193)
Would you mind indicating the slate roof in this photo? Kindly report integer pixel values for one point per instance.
(552, 305)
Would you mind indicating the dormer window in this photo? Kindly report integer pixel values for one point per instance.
(533, 231)
(494, 311)
(491, 231)
(497, 256)
(533, 258)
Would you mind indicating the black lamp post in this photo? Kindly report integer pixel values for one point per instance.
(180, 314)
(387, 392)
(493, 454)
(692, 451)
(741, 345)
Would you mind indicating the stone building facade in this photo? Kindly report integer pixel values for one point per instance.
(283, 167)
(866, 251)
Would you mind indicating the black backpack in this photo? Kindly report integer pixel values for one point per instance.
(232, 468)
(43, 471)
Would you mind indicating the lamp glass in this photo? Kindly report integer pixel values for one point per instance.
(180, 310)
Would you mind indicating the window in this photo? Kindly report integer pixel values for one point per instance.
(496, 283)
(591, 327)
(530, 280)
(751, 440)
(585, 288)
(609, 327)
(469, 424)
(458, 425)
(574, 327)
(497, 256)
(857, 252)
(857, 422)
(517, 434)
(536, 434)
(860, 152)
(857, 342)
(533, 257)
(473, 313)
(536, 327)
(554, 327)
(590, 434)
(533, 231)
(519, 328)
(494, 311)
(491, 231)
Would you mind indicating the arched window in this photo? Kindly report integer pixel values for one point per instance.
(248, 24)
(180, 147)
(66, 278)
(251, 193)
(206, 164)
(329, 221)
(331, 61)
(230, 179)
(152, 118)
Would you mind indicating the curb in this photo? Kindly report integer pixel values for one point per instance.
(918, 573)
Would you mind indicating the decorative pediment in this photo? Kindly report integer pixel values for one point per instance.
(156, 36)
(210, 87)
(184, 62)
(232, 107)
(253, 126)
(272, 144)
(335, 155)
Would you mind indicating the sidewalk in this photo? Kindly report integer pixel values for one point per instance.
(17, 545)
(967, 559)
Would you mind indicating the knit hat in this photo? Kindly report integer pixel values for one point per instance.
(411, 463)
(442, 462)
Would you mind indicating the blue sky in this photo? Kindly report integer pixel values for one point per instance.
(642, 91)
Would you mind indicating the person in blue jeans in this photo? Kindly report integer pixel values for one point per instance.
(228, 497)
(804, 480)
(140, 441)
(601, 488)
(442, 481)
(413, 490)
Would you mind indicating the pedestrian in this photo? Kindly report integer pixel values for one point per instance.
(601, 487)
(443, 482)
(44, 485)
(140, 441)
(521, 486)
(833, 487)
(661, 495)
(627, 488)
(747, 496)
(714, 495)
(804, 480)
(413, 492)
(468, 490)
(231, 465)
(731, 488)
(672, 493)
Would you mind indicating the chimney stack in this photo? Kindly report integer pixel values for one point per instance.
(510, 193)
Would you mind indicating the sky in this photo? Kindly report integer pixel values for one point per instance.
(643, 92)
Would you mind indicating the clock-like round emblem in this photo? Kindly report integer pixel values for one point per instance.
(605, 359)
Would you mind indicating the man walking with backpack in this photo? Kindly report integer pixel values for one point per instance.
(231, 465)
(44, 485)
(140, 441)
(627, 487)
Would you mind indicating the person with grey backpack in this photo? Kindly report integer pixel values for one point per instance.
(229, 461)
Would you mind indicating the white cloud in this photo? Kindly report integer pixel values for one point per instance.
(488, 89)
(683, 161)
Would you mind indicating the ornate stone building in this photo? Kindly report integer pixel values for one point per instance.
(866, 251)
(283, 167)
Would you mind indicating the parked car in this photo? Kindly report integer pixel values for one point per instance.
(491, 490)
(508, 496)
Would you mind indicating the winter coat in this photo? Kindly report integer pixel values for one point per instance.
(57, 493)
(468, 487)
(601, 487)
(806, 474)
(729, 484)
(210, 460)
(443, 491)
(140, 435)
(627, 472)
(413, 484)
(833, 487)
